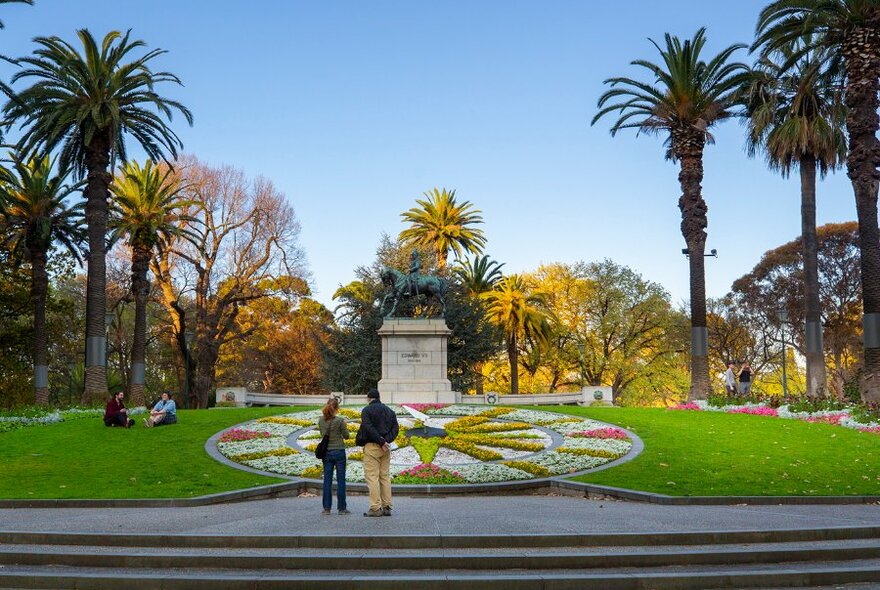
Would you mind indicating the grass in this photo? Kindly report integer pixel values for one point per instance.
(85, 459)
(686, 453)
(714, 454)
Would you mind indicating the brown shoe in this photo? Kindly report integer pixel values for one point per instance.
(373, 513)
(386, 511)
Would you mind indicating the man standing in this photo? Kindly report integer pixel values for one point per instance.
(730, 379)
(377, 433)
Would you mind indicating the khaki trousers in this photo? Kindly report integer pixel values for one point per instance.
(377, 465)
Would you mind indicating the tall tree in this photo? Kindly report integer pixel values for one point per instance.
(34, 215)
(478, 275)
(847, 30)
(444, 224)
(519, 313)
(88, 103)
(685, 97)
(149, 208)
(777, 282)
(796, 118)
(246, 248)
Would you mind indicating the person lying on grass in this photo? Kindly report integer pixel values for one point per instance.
(164, 412)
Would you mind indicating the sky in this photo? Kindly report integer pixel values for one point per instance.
(354, 109)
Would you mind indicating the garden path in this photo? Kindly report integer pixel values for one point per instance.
(438, 515)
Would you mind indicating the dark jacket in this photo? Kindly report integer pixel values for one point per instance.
(112, 411)
(379, 423)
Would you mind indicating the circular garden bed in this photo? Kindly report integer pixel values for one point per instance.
(481, 445)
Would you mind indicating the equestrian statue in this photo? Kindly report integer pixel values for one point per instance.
(412, 284)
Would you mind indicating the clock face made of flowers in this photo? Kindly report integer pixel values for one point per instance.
(478, 444)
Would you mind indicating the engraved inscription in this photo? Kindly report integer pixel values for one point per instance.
(413, 357)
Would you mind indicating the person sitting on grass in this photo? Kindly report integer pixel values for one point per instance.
(115, 413)
(164, 412)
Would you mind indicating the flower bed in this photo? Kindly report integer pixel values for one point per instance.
(481, 445)
(839, 417)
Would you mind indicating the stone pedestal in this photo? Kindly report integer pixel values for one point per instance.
(414, 361)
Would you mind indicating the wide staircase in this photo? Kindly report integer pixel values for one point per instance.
(846, 557)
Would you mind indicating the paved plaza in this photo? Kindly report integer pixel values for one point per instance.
(509, 514)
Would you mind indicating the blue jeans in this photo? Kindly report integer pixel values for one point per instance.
(334, 459)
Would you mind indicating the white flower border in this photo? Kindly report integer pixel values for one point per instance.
(472, 470)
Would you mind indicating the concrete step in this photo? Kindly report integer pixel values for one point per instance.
(792, 575)
(440, 541)
(500, 559)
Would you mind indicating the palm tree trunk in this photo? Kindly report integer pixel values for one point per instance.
(815, 351)
(97, 194)
(513, 358)
(861, 51)
(39, 290)
(140, 288)
(693, 228)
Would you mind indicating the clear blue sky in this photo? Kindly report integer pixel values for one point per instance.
(353, 109)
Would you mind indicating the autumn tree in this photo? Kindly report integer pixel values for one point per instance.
(777, 282)
(246, 248)
(624, 324)
(283, 350)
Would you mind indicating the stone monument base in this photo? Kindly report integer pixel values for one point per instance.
(414, 361)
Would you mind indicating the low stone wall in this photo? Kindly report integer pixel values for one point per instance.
(241, 397)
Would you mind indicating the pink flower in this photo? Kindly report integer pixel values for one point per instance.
(687, 406)
(238, 435)
(423, 407)
(755, 411)
(871, 429)
(615, 433)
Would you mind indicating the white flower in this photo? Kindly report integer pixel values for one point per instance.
(255, 445)
(491, 472)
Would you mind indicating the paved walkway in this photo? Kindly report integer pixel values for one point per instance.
(432, 516)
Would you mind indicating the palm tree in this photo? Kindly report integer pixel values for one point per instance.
(444, 225)
(35, 215)
(848, 30)
(87, 103)
(684, 99)
(149, 209)
(796, 118)
(478, 276)
(519, 314)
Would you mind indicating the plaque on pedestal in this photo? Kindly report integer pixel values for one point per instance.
(414, 361)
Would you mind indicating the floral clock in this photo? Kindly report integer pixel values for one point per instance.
(475, 445)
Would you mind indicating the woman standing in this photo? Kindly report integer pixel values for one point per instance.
(332, 424)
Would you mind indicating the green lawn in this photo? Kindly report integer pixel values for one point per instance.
(686, 453)
(714, 454)
(85, 459)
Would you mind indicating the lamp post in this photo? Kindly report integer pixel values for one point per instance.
(188, 338)
(582, 348)
(782, 316)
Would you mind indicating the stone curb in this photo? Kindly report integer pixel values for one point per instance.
(441, 541)
(813, 575)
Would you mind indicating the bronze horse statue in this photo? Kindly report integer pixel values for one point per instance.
(404, 285)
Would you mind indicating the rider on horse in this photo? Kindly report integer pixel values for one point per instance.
(415, 265)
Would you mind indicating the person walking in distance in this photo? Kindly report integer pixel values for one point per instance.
(377, 433)
(745, 379)
(730, 379)
(332, 425)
